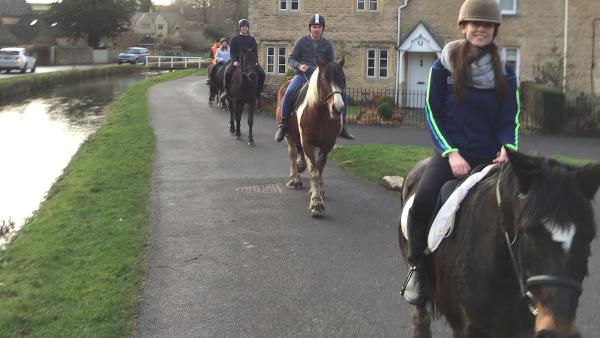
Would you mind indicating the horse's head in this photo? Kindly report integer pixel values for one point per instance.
(547, 213)
(248, 63)
(328, 82)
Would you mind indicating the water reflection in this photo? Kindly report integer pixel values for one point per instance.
(39, 136)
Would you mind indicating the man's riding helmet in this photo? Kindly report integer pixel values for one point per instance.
(244, 22)
(316, 20)
(480, 10)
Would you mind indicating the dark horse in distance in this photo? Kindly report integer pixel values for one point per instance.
(315, 122)
(244, 82)
(217, 82)
(514, 264)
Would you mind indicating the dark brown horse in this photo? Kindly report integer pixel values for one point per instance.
(216, 82)
(315, 122)
(514, 263)
(244, 82)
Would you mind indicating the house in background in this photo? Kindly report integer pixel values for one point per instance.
(156, 25)
(390, 45)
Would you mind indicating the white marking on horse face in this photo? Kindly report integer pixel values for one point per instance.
(338, 101)
(561, 234)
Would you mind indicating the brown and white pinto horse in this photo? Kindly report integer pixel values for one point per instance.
(315, 122)
(514, 264)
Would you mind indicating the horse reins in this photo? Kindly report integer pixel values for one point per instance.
(538, 280)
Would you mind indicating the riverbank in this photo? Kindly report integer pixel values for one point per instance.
(29, 84)
(75, 268)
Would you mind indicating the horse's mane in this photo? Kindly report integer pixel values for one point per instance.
(553, 198)
(312, 95)
(331, 75)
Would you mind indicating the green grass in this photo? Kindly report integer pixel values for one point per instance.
(373, 161)
(74, 270)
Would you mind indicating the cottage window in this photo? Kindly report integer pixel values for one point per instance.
(366, 5)
(160, 26)
(292, 5)
(276, 57)
(511, 55)
(377, 63)
(509, 7)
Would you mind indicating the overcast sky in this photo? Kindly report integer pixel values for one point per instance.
(157, 2)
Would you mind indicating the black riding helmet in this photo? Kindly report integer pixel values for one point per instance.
(244, 22)
(317, 19)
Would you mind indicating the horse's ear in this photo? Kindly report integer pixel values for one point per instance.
(320, 62)
(525, 168)
(342, 61)
(589, 179)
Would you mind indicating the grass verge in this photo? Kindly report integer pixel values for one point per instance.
(372, 162)
(74, 270)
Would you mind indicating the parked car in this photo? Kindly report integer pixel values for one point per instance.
(16, 58)
(133, 55)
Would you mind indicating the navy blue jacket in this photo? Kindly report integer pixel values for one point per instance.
(242, 41)
(479, 125)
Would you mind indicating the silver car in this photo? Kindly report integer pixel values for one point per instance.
(18, 59)
(134, 55)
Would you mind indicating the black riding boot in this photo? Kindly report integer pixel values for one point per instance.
(344, 133)
(414, 289)
(281, 129)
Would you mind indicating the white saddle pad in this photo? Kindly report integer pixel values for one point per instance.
(443, 223)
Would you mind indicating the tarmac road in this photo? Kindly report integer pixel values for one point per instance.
(233, 253)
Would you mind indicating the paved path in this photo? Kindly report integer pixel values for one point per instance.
(233, 253)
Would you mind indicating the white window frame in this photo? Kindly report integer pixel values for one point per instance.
(366, 4)
(512, 11)
(286, 5)
(377, 67)
(274, 58)
(503, 53)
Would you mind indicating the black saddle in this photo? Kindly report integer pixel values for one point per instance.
(298, 96)
(448, 188)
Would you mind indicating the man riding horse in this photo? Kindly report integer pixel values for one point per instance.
(246, 41)
(303, 59)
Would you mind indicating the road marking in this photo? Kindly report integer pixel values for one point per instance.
(272, 188)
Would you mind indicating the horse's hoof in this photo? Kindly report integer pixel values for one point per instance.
(238, 137)
(251, 144)
(317, 212)
(301, 167)
(210, 103)
(232, 130)
(294, 185)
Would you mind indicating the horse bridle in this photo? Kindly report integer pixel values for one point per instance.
(537, 280)
(324, 100)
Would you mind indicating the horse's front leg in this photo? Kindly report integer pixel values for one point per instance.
(321, 165)
(294, 181)
(239, 107)
(315, 205)
(231, 116)
(251, 111)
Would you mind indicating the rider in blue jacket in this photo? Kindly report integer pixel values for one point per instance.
(472, 113)
(303, 59)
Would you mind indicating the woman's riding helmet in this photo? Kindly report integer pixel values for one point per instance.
(244, 22)
(317, 20)
(224, 39)
(480, 10)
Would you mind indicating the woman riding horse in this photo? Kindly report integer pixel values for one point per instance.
(304, 60)
(472, 113)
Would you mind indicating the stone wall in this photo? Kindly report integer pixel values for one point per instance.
(537, 29)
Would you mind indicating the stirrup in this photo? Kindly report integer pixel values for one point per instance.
(280, 133)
